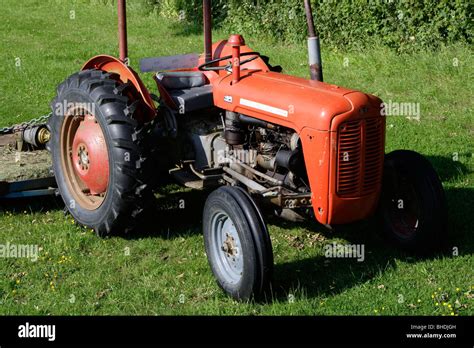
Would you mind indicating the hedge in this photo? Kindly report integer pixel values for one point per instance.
(400, 24)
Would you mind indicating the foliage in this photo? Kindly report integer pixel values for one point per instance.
(399, 24)
(164, 270)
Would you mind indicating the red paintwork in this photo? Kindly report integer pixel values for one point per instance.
(235, 41)
(89, 136)
(126, 73)
(313, 109)
(221, 49)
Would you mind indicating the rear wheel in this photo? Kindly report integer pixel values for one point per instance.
(237, 243)
(98, 155)
(412, 209)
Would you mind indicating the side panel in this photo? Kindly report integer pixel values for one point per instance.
(316, 151)
(126, 73)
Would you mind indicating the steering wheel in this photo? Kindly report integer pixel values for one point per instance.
(206, 67)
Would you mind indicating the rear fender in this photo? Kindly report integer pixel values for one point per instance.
(127, 74)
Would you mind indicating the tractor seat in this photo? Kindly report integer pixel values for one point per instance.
(188, 89)
(181, 79)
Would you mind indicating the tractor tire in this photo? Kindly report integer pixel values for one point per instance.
(237, 243)
(412, 212)
(98, 152)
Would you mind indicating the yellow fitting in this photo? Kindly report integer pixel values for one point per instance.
(44, 135)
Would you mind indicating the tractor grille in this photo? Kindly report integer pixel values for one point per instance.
(360, 157)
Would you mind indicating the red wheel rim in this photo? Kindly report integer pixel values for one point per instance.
(85, 159)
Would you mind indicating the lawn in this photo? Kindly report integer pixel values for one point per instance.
(163, 269)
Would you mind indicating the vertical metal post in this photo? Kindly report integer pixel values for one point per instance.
(122, 30)
(235, 41)
(314, 49)
(207, 20)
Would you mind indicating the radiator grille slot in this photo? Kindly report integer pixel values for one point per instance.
(360, 157)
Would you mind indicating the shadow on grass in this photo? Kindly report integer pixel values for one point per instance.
(313, 277)
(175, 215)
(321, 276)
(31, 205)
(448, 168)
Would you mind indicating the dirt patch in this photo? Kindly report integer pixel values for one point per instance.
(308, 239)
(18, 165)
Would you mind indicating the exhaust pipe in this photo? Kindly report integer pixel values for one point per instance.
(314, 49)
(122, 30)
(207, 20)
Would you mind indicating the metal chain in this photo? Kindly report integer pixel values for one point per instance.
(25, 125)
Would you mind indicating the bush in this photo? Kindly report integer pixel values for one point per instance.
(398, 24)
(188, 10)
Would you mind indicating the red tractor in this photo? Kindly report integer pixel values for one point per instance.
(228, 119)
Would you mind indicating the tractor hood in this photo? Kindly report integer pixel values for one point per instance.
(286, 100)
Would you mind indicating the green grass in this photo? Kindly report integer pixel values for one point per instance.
(164, 269)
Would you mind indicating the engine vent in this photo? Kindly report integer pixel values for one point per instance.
(360, 157)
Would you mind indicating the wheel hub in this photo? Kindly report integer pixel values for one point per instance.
(89, 156)
(83, 155)
(229, 246)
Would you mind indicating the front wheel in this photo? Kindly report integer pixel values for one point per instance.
(237, 243)
(412, 209)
